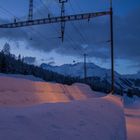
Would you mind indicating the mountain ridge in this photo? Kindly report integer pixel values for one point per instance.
(93, 70)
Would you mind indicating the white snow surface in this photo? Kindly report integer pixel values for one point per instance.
(77, 70)
(132, 113)
(20, 76)
(133, 76)
(31, 110)
(16, 91)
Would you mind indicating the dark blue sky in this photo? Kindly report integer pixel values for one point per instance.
(42, 43)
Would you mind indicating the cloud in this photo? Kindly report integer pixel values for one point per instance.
(127, 36)
(30, 60)
(93, 36)
(137, 66)
(51, 63)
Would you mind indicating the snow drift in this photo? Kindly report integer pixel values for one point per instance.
(92, 117)
(16, 91)
(132, 114)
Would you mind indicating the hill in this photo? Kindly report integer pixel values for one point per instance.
(97, 76)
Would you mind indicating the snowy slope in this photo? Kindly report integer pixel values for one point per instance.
(61, 117)
(19, 91)
(132, 113)
(82, 120)
(133, 76)
(20, 76)
(77, 70)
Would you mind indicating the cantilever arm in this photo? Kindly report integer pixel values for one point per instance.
(54, 19)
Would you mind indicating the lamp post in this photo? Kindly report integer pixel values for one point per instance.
(112, 49)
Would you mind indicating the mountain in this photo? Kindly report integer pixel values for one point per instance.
(77, 70)
(133, 76)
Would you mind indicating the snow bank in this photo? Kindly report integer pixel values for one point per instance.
(92, 119)
(81, 116)
(16, 91)
(132, 113)
(27, 77)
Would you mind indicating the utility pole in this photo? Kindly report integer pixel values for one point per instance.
(112, 50)
(106, 80)
(85, 67)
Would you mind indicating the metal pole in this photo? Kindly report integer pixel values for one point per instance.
(112, 49)
(85, 68)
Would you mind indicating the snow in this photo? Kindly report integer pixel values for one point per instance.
(27, 77)
(77, 70)
(16, 91)
(34, 110)
(133, 76)
(132, 113)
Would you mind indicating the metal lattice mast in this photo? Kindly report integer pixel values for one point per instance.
(30, 15)
(62, 15)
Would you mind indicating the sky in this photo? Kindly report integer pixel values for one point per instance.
(41, 44)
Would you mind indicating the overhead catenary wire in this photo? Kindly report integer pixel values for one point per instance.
(72, 42)
(37, 33)
(68, 36)
(53, 27)
(42, 13)
(7, 11)
(40, 34)
(83, 37)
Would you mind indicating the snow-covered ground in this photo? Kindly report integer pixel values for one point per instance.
(20, 76)
(132, 113)
(31, 110)
(16, 91)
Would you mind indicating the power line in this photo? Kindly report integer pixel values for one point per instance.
(38, 33)
(43, 15)
(77, 29)
(77, 4)
(7, 11)
(32, 29)
(70, 40)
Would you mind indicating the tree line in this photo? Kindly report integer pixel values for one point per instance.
(10, 64)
